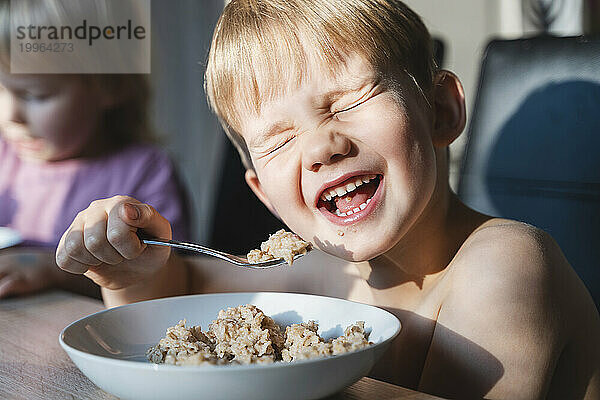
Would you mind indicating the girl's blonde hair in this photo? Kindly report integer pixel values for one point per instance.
(262, 47)
(125, 123)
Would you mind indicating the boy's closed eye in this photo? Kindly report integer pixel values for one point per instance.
(333, 105)
(333, 114)
(350, 103)
(285, 140)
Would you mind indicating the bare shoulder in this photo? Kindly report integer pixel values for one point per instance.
(505, 267)
(507, 264)
(510, 256)
(513, 296)
(512, 237)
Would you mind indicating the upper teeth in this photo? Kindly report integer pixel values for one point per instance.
(346, 188)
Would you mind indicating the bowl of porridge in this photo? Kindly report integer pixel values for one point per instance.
(264, 345)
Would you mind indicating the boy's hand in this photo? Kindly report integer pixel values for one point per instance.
(102, 243)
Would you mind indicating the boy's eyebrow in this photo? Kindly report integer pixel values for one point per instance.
(268, 132)
(335, 94)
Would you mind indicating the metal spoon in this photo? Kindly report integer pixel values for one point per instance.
(237, 260)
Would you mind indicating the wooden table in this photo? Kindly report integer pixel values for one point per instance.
(34, 366)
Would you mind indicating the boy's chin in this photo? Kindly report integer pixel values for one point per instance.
(347, 252)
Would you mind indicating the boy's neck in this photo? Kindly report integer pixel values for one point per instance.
(423, 254)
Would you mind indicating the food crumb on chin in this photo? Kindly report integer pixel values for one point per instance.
(340, 233)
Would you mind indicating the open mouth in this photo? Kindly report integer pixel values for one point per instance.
(350, 196)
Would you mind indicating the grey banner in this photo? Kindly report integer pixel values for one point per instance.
(80, 36)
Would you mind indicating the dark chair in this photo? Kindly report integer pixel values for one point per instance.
(241, 221)
(534, 143)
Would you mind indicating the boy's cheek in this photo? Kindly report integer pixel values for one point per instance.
(285, 210)
(296, 216)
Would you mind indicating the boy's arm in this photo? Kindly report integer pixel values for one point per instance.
(103, 245)
(316, 273)
(514, 306)
(202, 274)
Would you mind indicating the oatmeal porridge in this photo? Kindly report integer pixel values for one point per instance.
(280, 244)
(245, 335)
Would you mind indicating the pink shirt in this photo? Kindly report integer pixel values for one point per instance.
(41, 199)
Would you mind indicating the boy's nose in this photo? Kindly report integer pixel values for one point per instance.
(324, 148)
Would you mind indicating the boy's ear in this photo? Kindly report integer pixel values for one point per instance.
(448, 108)
(255, 185)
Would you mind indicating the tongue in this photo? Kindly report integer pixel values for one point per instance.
(352, 200)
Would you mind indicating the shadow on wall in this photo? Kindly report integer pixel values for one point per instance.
(545, 170)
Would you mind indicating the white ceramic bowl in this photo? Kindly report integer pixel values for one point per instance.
(109, 347)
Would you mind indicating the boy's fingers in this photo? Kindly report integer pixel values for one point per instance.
(70, 265)
(71, 252)
(65, 262)
(143, 216)
(97, 244)
(121, 229)
(62, 258)
(72, 243)
(126, 220)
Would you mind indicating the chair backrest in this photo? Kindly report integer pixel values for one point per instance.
(240, 221)
(533, 149)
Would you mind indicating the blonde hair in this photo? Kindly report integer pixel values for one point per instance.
(262, 47)
(123, 124)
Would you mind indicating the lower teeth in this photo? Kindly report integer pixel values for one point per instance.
(350, 212)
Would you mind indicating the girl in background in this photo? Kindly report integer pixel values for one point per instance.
(66, 140)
